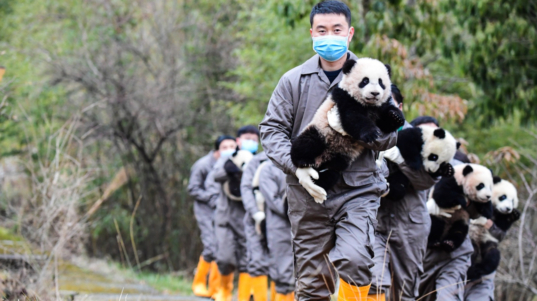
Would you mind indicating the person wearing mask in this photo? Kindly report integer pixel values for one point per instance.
(402, 230)
(204, 206)
(337, 234)
(231, 253)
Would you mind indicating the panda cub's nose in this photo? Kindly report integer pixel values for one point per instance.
(375, 93)
(488, 197)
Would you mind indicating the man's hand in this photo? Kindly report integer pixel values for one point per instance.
(393, 154)
(433, 209)
(305, 175)
(258, 217)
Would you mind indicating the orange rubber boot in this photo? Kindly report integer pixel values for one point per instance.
(349, 292)
(287, 297)
(225, 289)
(214, 279)
(199, 285)
(260, 288)
(245, 287)
(381, 297)
(272, 291)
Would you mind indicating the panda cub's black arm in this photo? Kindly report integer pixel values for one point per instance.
(307, 147)
(505, 221)
(489, 262)
(390, 117)
(447, 193)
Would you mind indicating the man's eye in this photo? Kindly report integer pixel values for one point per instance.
(433, 157)
(480, 186)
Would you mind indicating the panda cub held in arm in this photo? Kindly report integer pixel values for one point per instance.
(234, 167)
(469, 189)
(360, 108)
(421, 147)
(486, 256)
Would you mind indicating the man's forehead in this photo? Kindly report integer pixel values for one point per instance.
(329, 20)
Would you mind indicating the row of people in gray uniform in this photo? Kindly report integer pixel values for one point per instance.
(237, 234)
(404, 269)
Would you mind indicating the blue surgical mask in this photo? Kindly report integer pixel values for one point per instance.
(330, 48)
(249, 145)
(227, 153)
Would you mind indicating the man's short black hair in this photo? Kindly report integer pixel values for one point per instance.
(397, 94)
(424, 119)
(331, 7)
(221, 138)
(248, 129)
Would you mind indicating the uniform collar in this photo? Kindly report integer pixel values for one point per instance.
(313, 66)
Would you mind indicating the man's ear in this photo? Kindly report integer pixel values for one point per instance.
(347, 67)
(389, 70)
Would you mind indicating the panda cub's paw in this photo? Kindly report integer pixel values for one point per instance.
(391, 118)
(515, 216)
(397, 117)
(448, 245)
(368, 136)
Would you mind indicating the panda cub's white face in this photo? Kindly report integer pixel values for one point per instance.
(504, 197)
(439, 147)
(368, 82)
(241, 158)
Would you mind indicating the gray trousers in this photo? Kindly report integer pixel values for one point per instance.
(480, 290)
(445, 273)
(257, 254)
(281, 256)
(336, 235)
(205, 217)
(231, 242)
(399, 262)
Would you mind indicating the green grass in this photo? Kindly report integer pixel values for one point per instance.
(167, 283)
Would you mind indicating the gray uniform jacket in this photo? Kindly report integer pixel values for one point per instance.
(407, 224)
(205, 203)
(445, 272)
(258, 258)
(343, 226)
(229, 220)
(279, 237)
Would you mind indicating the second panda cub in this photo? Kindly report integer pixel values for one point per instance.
(354, 114)
(421, 147)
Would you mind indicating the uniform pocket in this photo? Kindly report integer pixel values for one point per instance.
(297, 199)
(418, 217)
(358, 179)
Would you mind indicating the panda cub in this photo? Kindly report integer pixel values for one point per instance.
(234, 167)
(470, 187)
(427, 147)
(360, 107)
(486, 256)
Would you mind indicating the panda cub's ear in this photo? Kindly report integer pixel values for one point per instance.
(389, 70)
(347, 67)
(496, 179)
(458, 144)
(440, 133)
(467, 170)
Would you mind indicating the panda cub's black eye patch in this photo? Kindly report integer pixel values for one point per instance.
(433, 157)
(381, 84)
(480, 186)
(503, 197)
(364, 82)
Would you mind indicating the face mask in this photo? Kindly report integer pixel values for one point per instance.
(249, 145)
(330, 48)
(227, 153)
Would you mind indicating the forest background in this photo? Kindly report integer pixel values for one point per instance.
(106, 104)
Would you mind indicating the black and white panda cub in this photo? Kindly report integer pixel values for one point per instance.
(427, 147)
(358, 109)
(234, 167)
(486, 256)
(470, 187)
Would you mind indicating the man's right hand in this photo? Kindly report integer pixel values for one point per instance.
(305, 175)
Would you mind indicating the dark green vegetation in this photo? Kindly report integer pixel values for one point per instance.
(152, 83)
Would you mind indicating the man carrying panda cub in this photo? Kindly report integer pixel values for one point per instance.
(332, 227)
